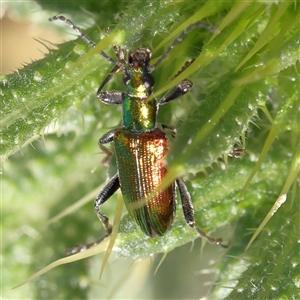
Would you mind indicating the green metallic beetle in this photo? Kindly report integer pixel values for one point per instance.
(141, 145)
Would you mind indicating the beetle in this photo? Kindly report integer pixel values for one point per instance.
(141, 144)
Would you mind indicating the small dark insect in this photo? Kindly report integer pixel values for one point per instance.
(237, 152)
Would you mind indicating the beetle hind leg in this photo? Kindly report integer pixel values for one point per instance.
(188, 212)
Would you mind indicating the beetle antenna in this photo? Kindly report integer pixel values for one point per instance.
(181, 37)
(81, 34)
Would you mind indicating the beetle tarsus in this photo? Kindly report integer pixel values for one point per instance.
(83, 247)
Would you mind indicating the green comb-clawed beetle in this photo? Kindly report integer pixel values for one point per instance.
(141, 145)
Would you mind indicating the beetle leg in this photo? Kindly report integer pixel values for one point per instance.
(105, 139)
(188, 211)
(83, 247)
(111, 187)
(169, 130)
(111, 97)
(177, 91)
(115, 69)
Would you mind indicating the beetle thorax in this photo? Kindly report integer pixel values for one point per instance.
(138, 80)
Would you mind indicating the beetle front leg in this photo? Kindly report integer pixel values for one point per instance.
(179, 90)
(111, 187)
(111, 97)
(188, 211)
